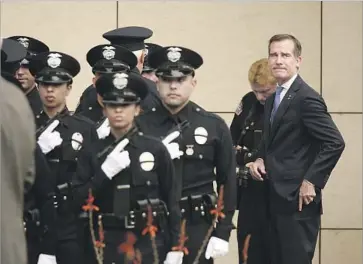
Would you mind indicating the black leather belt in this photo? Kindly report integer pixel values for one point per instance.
(136, 219)
(196, 208)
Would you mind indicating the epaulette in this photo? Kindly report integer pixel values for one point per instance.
(196, 108)
(83, 119)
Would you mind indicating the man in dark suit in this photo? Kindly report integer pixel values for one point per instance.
(301, 145)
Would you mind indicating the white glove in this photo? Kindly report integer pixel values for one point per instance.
(216, 248)
(104, 129)
(50, 139)
(46, 259)
(117, 160)
(173, 148)
(174, 257)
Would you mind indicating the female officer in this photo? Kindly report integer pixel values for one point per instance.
(129, 173)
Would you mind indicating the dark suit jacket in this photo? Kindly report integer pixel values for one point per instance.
(302, 143)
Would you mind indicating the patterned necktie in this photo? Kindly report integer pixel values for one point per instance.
(277, 102)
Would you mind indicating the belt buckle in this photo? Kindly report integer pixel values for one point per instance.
(129, 222)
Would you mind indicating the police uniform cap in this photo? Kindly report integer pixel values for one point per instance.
(131, 38)
(121, 88)
(11, 54)
(14, 51)
(110, 58)
(175, 61)
(149, 48)
(33, 47)
(54, 67)
(3, 56)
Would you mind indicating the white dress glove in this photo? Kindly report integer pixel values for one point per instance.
(174, 257)
(50, 139)
(46, 259)
(104, 130)
(173, 148)
(117, 160)
(216, 248)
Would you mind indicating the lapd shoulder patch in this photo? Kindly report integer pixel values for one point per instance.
(239, 108)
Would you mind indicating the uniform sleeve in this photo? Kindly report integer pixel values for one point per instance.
(44, 196)
(171, 193)
(226, 175)
(235, 127)
(321, 127)
(89, 176)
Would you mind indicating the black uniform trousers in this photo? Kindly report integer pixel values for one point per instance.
(33, 245)
(115, 237)
(196, 233)
(252, 225)
(68, 248)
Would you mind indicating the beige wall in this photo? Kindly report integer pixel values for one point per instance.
(230, 36)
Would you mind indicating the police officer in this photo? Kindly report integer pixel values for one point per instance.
(61, 136)
(246, 130)
(33, 47)
(39, 214)
(133, 39)
(135, 172)
(202, 146)
(147, 71)
(106, 58)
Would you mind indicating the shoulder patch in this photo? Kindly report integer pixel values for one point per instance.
(239, 108)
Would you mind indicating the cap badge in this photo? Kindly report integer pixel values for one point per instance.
(24, 42)
(146, 50)
(108, 52)
(54, 60)
(120, 80)
(174, 54)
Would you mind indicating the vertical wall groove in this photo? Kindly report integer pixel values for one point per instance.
(116, 14)
(321, 93)
(321, 47)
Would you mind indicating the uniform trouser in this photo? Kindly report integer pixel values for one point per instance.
(33, 247)
(115, 237)
(68, 246)
(196, 234)
(293, 236)
(68, 252)
(252, 226)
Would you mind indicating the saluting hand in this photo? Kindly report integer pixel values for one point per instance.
(50, 139)
(104, 129)
(117, 160)
(173, 148)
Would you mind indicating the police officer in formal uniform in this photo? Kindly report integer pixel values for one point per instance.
(38, 200)
(147, 71)
(61, 136)
(106, 58)
(128, 171)
(33, 47)
(246, 130)
(133, 39)
(203, 145)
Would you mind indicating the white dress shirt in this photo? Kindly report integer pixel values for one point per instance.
(287, 86)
